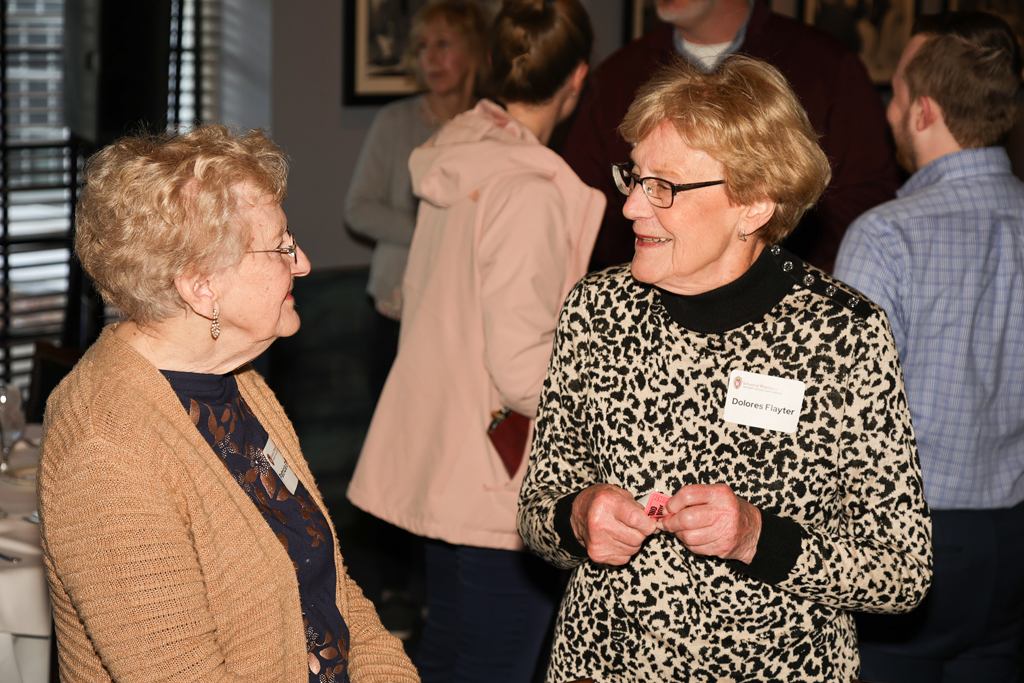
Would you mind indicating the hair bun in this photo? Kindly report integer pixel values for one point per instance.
(535, 47)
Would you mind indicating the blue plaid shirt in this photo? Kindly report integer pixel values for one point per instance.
(946, 262)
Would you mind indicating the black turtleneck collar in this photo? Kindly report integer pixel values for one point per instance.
(744, 300)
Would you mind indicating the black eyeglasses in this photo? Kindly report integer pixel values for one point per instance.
(659, 191)
(290, 250)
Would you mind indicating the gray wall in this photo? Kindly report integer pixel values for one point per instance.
(321, 136)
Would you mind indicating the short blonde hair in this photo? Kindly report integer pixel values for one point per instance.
(743, 114)
(158, 207)
(465, 16)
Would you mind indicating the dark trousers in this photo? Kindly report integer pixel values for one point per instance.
(970, 627)
(394, 551)
(489, 612)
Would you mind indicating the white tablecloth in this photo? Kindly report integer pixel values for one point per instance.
(24, 600)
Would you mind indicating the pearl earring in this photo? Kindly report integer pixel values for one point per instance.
(215, 327)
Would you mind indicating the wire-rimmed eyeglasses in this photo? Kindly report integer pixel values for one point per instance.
(291, 250)
(659, 192)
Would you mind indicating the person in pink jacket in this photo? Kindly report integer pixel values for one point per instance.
(505, 229)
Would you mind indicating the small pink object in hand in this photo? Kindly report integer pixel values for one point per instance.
(654, 504)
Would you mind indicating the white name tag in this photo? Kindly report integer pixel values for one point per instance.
(764, 401)
(277, 463)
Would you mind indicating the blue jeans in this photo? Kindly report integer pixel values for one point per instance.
(970, 627)
(489, 614)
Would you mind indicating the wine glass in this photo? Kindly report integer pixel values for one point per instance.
(12, 422)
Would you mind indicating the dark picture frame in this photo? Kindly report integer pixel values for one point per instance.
(375, 38)
(877, 30)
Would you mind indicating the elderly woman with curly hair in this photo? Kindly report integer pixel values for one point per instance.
(723, 450)
(185, 539)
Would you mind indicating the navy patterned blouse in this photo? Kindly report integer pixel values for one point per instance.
(222, 416)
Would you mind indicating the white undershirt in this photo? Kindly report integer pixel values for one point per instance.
(707, 55)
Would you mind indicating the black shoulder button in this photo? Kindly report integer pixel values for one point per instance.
(820, 282)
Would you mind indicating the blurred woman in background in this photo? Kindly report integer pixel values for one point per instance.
(448, 53)
(504, 230)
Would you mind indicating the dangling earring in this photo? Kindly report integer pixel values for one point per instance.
(743, 235)
(215, 327)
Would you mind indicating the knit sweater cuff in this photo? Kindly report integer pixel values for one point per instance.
(778, 548)
(563, 526)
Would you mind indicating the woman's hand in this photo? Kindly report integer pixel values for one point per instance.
(712, 520)
(610, 524)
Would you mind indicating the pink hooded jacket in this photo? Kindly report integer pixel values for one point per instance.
(504, 230)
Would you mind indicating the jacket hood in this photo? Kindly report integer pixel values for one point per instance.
(475, 147)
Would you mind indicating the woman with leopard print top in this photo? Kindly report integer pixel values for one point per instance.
(723, 450)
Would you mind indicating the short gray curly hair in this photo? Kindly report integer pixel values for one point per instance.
(155, 208)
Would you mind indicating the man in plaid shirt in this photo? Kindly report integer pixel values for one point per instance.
(946, 261)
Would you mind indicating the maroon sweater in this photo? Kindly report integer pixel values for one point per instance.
(833, 86)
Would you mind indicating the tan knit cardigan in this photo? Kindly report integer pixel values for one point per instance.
(160, 567)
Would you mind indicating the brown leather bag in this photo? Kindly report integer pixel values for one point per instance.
(508, 433)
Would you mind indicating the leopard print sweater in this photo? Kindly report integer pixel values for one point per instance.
(634, 398)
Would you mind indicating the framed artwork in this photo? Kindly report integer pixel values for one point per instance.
(877, 29)
(376, 36)
(375, 39)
